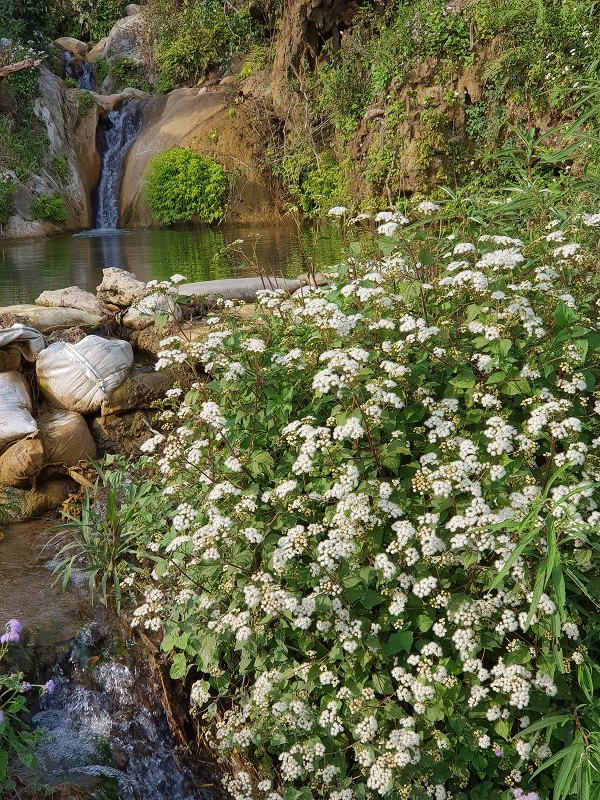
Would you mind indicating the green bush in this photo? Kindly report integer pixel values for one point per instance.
(186, 41)
(85, 101)
(22, 149)
(104, 16)
(49, 209)
(181, 185)
(100, 69)
(59, 165)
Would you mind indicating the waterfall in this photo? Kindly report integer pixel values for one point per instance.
(116, 134)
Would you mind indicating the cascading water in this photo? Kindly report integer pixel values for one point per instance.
(80, 73)
(120, 129)
(106, 730)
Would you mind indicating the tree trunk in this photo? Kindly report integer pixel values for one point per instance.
(305, 26)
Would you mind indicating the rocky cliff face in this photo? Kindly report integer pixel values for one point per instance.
(214, 121)
(71, 137)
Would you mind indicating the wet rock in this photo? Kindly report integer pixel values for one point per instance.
(73, 46)
(120, 287)
(47, 319)
(72, 297)
(118, 757)
(121, 434)
(139, 390)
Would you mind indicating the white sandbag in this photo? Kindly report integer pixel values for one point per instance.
(16, 421)
(80, 376)
(29, 341)
(66, 437)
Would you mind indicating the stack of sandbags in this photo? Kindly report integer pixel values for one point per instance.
(79, 377)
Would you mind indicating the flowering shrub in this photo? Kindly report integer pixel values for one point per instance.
(381, 563)
(15, 738)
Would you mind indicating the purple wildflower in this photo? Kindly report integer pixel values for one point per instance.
(499, 752)
(48, 687)
(13, 629)
(1, 716)
(26, 686)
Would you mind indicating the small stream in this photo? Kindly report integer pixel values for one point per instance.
(106, 729)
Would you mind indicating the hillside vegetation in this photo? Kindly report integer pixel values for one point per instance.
(366, 103)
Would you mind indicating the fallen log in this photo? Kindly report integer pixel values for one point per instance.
(7, 69)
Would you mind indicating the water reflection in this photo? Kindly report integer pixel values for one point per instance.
(30, 267)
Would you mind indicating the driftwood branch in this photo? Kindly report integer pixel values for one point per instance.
(7, 69)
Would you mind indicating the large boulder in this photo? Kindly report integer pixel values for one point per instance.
(235, 288)
(73, 46)
(73, 297)
(71, 138)
(46, 319)
(139, 390)
(213, 123)
(119, 287)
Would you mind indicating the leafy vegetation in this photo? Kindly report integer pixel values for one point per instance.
(107, 534)
(181, 185)
(50, 209)
(16, 739)
(199, 34)
(377, 571)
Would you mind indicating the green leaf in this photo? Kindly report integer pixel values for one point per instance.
(400, 641)
(465, 380)
(370, 598)
(585, 681)
(564, 316)
(179, 667)
(555, 721)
